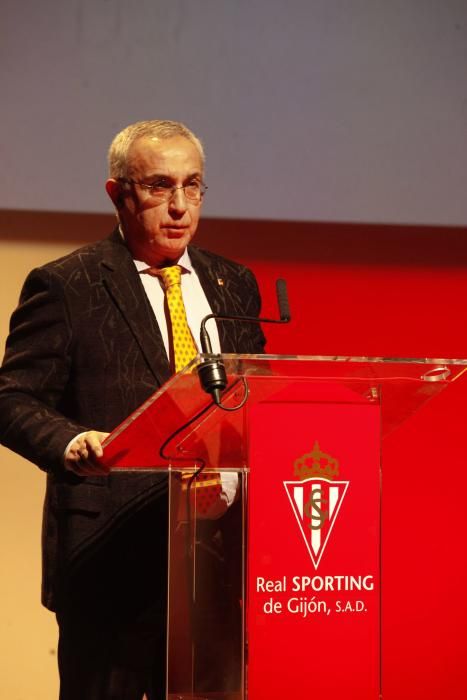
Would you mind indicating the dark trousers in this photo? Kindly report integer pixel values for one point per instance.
(112, 614)
(108, 660)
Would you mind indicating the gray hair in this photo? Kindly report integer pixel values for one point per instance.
(162, 129)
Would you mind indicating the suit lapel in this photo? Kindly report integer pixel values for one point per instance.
(215, 283)
(124, 286)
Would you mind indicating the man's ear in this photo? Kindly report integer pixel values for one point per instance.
(115, 192)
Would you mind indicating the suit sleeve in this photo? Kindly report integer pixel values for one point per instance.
(35, 373)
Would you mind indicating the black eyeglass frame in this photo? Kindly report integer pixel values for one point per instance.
(166, 192)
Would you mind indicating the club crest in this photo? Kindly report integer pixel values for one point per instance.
(316, 498)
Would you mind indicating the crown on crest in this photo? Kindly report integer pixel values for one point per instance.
(316, 464)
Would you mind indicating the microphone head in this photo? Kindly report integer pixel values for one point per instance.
(282, 300)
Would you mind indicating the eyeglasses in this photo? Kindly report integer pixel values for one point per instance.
(163, 191)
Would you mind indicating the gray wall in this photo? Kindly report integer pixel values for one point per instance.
(309, 109)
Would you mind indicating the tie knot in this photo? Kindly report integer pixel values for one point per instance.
(170, 275)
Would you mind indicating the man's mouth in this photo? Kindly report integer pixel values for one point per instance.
(175, 231)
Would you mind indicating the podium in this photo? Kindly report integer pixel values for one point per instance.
(277, 594)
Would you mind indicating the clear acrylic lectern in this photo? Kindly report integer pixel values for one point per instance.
(277, 592)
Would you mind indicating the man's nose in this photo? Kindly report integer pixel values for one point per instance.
(178, 201)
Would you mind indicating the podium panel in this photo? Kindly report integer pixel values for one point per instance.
(205, 630)
(314, 549)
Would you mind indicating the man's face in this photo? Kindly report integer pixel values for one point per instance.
(158, 232)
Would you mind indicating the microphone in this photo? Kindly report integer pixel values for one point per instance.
(211, 372)
(282, 301)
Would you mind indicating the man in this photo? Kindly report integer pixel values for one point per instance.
(89, 342)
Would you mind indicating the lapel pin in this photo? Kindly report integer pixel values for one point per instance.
(220, 281)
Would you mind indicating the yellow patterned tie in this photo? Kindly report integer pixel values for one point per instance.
(207, 487)
(184, 347)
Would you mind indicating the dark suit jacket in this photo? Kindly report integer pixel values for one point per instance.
(84, 351)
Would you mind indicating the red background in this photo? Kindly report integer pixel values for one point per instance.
(398, 292)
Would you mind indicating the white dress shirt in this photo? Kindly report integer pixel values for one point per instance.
(194, 298)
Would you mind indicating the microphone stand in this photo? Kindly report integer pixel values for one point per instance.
(211, 371)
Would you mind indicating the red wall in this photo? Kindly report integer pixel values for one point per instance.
(357, 289)
(394, 292)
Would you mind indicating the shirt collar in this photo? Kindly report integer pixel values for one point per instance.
(184, 262)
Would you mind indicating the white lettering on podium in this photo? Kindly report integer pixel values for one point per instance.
(264, 585)
(332, 583)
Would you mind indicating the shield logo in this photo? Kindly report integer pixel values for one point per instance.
(316, 503)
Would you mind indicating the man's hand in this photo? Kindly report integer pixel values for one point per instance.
(81, 455)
